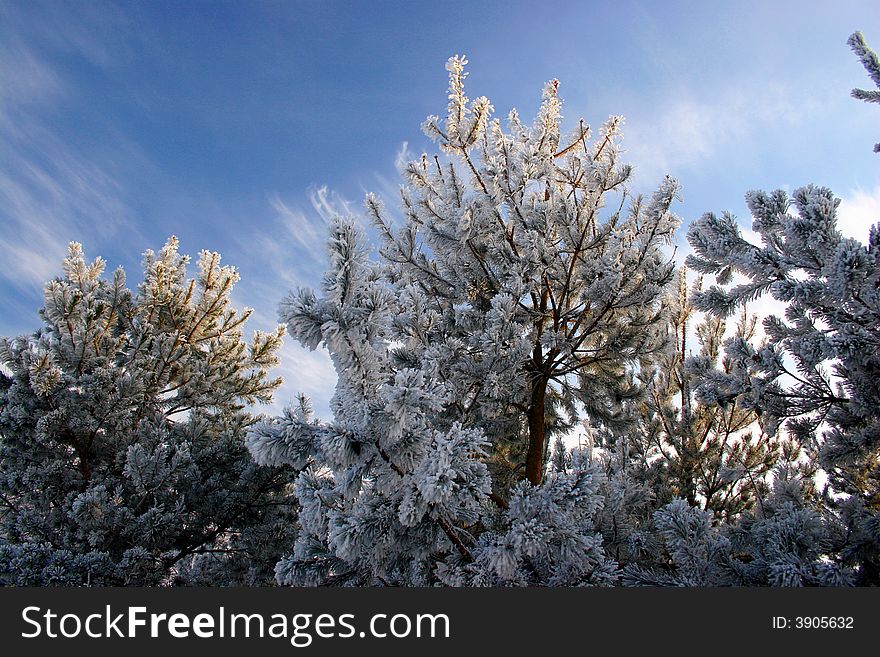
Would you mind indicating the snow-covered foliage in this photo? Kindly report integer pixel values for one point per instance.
(122, 456)
(872, 65)
(818, 377)
(786, 545)
(522, 292)
(710, 453)
(535, 278)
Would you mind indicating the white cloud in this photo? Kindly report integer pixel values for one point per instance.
(304, 372)
(696, 126)
(291, 248)
(98, 32)
(307, 372)
(858, 211)
(51, 194)
(24, 79)
(30, 266)
(404, 156)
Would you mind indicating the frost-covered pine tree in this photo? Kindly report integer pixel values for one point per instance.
(522, 291)
(534, 266)
(713, 455)
(813, 384)
(122, 425)
(819, 374)
(391, 491)
(872, 65)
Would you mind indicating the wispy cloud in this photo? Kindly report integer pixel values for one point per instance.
(329, 205)
(304, 231)
(291, 246)
(25, 79)
(291, 252)
(51, 190)
(51, 194)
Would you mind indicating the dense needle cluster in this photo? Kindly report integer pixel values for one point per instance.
(123, 422)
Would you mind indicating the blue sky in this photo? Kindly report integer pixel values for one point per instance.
(242, 126)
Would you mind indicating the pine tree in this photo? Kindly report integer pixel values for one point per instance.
(820, 372)
(872, 65)
(528, 249)
(713, 455)
(122, 425)
(522, 292)
(812, 386)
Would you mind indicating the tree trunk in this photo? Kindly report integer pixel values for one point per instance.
(85, 470)
(535, 455)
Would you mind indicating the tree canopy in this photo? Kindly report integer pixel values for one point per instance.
(123, 422)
